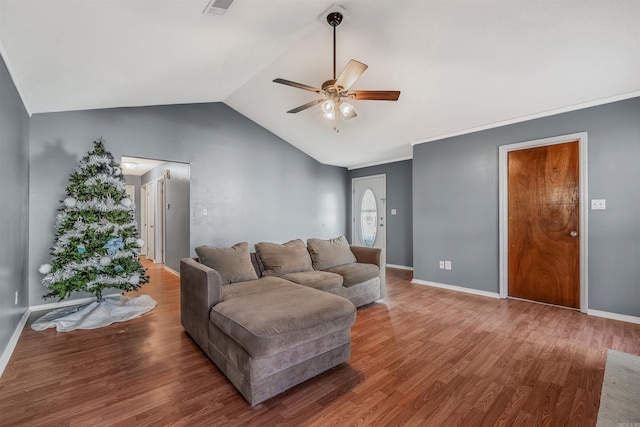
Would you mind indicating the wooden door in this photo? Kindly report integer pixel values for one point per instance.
(544, 218)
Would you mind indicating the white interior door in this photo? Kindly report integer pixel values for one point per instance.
(160, 220)
(368, 202)
(151, 220)
(143, 218)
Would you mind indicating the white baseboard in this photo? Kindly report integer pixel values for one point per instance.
(457, 288)
(614, 316)
(65, 303)
(11, 345)
(400, 267)
(171, 270)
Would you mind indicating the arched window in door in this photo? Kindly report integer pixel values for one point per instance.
(369, 218)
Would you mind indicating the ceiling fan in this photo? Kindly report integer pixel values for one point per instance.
(335, 92)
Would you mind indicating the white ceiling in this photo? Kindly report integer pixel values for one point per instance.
(141, 166)
(461, 65)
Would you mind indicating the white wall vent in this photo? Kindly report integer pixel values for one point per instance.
(217, 7)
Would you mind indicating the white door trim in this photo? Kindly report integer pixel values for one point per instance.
(144, 230)
(504, 150)
(160, 220)
(353, 206)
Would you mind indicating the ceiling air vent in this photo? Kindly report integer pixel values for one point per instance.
(217, 7)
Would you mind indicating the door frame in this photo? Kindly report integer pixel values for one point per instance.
(151, 221)
(353, 206)
(504, 150)
(144, 230)
(160, 220)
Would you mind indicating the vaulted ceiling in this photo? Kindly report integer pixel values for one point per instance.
(460, 65)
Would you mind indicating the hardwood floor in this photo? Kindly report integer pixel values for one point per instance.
(424, 356)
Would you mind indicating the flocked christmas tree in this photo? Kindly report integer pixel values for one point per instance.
(97, 239)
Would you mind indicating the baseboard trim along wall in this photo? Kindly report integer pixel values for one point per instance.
(590, 312)
(400, 267)
(171, 270)
(457, 288)
(8, 350)
(66, 303)
(614, 316)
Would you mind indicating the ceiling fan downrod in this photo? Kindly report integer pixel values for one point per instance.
(334, 19)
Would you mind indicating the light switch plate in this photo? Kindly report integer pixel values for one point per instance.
(447, 265)
(598, 204)
(393, 211)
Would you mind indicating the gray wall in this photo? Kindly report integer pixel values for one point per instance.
(177, 215)
(455, 203)
(399, 196)
(14, 208)
(255, 186)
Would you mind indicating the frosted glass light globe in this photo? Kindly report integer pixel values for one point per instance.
(346, 108)
(328, 106)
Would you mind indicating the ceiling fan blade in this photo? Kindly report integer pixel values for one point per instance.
(298, 85)
(375, 95)
(350, 74)
(305, 106)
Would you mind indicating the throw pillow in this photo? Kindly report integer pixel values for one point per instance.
(233, 264)
(278, 259)
(330, 253)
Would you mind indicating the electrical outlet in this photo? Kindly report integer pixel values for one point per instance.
(447, 265)
(441, 265)
(598, 204)
(204, 212)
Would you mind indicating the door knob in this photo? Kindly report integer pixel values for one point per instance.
(573, 234)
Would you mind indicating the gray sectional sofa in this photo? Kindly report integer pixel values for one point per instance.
(274, 318)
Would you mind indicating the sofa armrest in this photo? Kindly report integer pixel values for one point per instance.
(200, 289)
(375, 256)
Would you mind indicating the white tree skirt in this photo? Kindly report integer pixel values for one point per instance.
(116, 308)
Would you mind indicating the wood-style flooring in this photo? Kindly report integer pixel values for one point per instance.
(424, 356)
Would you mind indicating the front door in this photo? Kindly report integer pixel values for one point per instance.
(543, 224)
(369, 211)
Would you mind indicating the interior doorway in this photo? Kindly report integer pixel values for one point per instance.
(163, 217)
(368, 206)
(543, 221)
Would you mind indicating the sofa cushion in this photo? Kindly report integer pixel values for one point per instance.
(240, 289)
(355, 273)
(233, 264)
(265, 320)
(321, 280)
(329, 253)
(278, 259)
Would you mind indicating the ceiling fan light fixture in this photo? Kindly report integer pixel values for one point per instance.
(345, 109)
(336, 91)
(328, 106)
